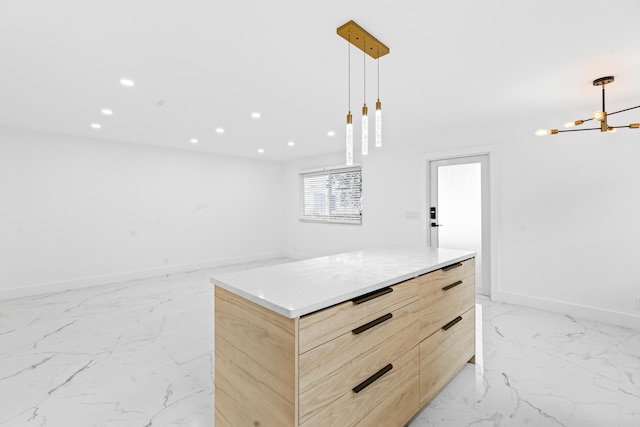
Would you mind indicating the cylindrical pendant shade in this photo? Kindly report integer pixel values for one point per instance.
(365, 130)
(349, 159)
(378, 124)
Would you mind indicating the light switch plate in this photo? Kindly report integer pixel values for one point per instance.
(412, 215)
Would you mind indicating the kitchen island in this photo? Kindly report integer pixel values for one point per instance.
(361, 338)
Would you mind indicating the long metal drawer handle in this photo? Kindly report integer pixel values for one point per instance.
(452, 266)
(371, 324)
(372, 295)
(453, 322)
(366, 383)
(453, 285)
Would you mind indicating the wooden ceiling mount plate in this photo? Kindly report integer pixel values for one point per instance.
(360, 38)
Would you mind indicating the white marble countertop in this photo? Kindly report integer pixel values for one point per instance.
(302, 287)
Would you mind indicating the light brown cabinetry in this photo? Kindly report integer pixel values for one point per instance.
(371, 361)
(255, 364)
(444, 353)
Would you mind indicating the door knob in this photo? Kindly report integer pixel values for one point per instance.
(433, 224)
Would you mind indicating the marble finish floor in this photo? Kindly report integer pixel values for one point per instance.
(139, 354)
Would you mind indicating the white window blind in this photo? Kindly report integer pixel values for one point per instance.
(332, 195)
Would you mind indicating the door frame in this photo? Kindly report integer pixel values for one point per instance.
(493, 153)
(485, 169)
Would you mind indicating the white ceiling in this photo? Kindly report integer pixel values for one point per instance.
(210, 63)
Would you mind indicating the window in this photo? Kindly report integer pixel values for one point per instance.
(331, 195)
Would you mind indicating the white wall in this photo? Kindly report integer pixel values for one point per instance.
(566, 212)
(80, 212)
(385, 201)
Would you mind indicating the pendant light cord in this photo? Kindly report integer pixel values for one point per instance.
(349, 68)
(364, 68)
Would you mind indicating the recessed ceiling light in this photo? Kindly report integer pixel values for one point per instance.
(219, 130)
(96, 125)
(291, 143)
(260, 150)
(127, 82)
(193, 140)
(255, 115)
(106, 112)
(331, 133)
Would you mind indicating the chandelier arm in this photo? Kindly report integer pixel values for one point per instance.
(626, 109)
(577, 130)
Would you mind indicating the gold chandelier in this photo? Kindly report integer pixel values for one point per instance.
(360, 38)
(600, 116)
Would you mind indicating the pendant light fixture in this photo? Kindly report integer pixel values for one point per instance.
(378, 110)
(600, 116)
(349, 129)
(360, 38)
(365, 110)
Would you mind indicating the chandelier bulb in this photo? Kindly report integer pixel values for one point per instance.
(611, 129)
(571, 124)
(599, 115)
(541, 132)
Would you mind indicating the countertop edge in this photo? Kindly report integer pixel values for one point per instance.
(320, 305)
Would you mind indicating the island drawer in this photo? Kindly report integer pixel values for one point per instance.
(330, 370)
(448, 275)
(325, 325)
(390, 400)
(444, 353)
(440, 299)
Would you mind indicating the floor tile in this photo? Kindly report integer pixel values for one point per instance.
(140, 354)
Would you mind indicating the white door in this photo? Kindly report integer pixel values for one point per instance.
(459, 210)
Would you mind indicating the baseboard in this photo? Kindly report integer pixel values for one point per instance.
(66, 285)
(578, 311)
